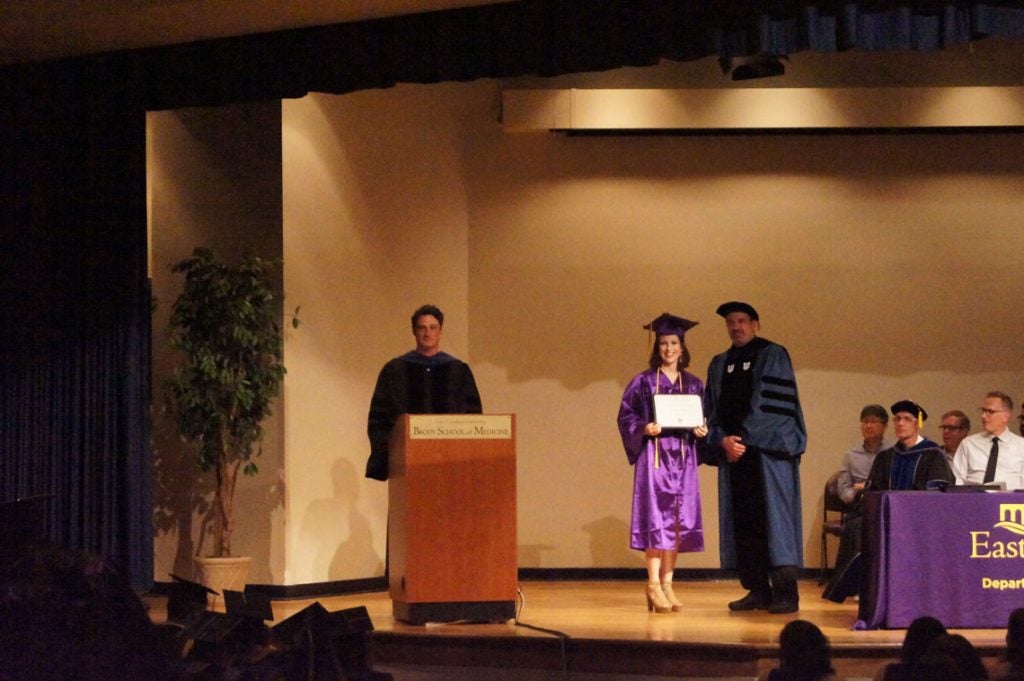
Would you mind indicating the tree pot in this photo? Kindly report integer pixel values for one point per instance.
(220, 573)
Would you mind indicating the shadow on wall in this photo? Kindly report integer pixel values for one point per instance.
(182, 498)
(338, 531)
(530, 555)
(180, 494)
(609, 542)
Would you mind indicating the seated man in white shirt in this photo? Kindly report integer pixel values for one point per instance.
(996, 454)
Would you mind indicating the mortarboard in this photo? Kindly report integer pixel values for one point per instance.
(186, 600)
(911, 408)
(725, 309)
(250, 604)
(667, 324)
(340, 634)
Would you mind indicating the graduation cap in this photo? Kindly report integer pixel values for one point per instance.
(186, 600)
(340, 635)
(322, 625)
(667, 324)
(244, 628)
(725, 309)
(911, 408)
(249, 604)
(296, 630)
(211, 627)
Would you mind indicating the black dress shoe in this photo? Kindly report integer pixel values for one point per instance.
(752, 601)
(783, 607)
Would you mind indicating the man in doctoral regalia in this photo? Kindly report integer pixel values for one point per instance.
(756, 438)
(914, 462)
(422, 381)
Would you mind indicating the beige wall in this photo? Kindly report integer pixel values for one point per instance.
(877, 259)
(887, 264)
(377, 223)
(214, 179)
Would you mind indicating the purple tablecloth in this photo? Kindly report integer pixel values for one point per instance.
(956, 557)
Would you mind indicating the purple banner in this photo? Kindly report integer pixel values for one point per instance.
(956, 557)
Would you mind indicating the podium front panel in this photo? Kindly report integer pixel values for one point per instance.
(452, 516)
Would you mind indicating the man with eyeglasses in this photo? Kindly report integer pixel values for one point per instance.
(874, 419)
(914, 462)
(954, 428)
(996, 454)
(857, 463)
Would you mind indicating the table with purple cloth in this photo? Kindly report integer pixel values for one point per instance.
(956, 557)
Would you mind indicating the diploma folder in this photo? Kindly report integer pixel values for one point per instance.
(678, 411)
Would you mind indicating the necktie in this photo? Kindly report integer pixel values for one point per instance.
(993, 456)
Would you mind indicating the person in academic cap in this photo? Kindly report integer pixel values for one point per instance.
(666, 515)
(756, 438)
(422, 381)
(915, 462)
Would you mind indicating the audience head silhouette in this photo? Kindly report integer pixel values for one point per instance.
(921, 633)
(804, 653)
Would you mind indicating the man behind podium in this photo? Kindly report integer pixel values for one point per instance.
(422, 381)
(995, 454)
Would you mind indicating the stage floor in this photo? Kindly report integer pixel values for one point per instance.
(603, 630)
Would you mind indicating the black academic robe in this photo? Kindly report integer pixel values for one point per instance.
(931, 467)
(773, 422)
(416, 384)
(927, 467)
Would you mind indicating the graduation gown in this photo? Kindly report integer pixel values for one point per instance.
(666, 500)
(917, 468)
(416, 384)
(774, 423)
(925, 464)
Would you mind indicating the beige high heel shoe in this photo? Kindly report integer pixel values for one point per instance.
(656, 601)
(670, 596)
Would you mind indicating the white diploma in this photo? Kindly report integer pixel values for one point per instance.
(678, 411)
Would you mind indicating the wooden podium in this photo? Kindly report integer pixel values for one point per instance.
(452, 518)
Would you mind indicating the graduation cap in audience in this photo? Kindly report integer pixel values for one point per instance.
(316, 620)
(186, 600)
(911, 408)
(339, 636)
(725, 309)
(667, 324)
(243, 628)
(243, 623)
(249, 604)
(211, 627)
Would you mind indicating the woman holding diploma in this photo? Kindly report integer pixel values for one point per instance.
(666, 493)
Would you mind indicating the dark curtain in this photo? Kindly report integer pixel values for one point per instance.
(546, 38)
(74, 343)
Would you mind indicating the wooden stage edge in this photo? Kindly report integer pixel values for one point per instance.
(604, 627)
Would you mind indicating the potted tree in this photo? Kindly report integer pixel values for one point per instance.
(225, 324)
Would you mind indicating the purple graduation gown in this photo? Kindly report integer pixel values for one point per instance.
(666, 500)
